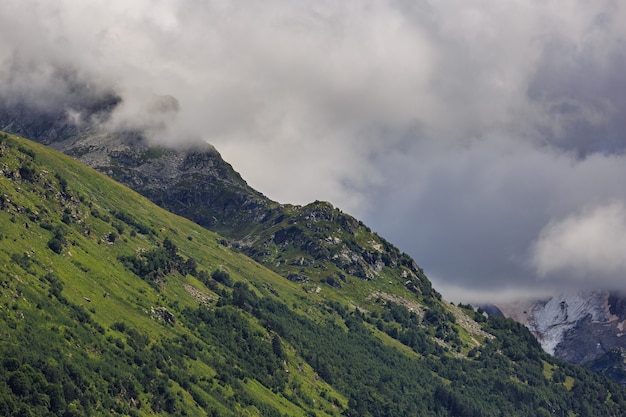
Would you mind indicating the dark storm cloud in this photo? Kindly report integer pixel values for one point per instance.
(582, 91)
(478, 136)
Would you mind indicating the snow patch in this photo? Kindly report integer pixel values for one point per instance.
(550, 320)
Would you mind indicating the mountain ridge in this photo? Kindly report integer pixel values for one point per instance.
(195, 182)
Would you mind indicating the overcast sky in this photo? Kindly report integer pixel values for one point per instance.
(484, 138)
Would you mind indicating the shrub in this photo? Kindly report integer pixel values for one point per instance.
(27, 172)
(23, 260)
(55, 245)
(222, 276)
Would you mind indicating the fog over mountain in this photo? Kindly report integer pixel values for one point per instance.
(486, 139)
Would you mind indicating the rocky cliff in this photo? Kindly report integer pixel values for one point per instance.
(586, 327)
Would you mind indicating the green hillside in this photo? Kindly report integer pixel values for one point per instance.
(111, 305)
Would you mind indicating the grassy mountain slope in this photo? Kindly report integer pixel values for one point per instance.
(313, 244)
(113, 306)
(69, 297)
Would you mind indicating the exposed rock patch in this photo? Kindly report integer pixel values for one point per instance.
(163, 314)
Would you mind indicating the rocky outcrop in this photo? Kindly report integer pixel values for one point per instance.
(578, 327)
(163, 314)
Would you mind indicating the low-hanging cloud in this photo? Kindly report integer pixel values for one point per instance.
(458, 130)
(587, 246)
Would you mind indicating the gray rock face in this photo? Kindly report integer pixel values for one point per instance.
(578, 327)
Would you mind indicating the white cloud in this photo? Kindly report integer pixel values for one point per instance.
(589, 245)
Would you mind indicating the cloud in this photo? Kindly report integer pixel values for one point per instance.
(471, 216)
(584, 246)
(458, 130)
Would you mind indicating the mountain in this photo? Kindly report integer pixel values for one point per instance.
(316, 243)
(192, 180)
(127, 309)
(585, 328)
